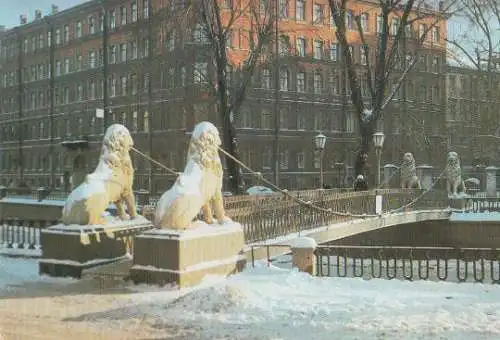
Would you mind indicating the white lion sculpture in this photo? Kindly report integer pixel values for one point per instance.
(111, 181)
(198, 187)
(454, 184)
(409, 179)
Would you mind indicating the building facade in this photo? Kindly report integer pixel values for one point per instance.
(67, 75)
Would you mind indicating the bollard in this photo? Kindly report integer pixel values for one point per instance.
(303, 254)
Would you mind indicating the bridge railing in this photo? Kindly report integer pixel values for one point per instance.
(409, 263)
(271, 216)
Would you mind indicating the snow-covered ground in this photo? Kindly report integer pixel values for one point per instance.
(273, 303)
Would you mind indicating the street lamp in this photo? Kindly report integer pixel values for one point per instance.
(378, 140)
(319, 142)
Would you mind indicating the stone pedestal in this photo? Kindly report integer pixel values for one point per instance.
(424, 174)
(184, 258)
(491, 181)
(303, 254)
(68, 250)
(390, 175)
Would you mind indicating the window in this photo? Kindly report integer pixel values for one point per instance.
(317, 14)
(79, 61)
(135, 122)
(41, 40)
(92, 90)
(435, 64)
(283, 8)
(300, 160)
(58, 68)
(183, 75)
(333, 52)
(92, 25)
(133, 10)
(266, 78)
(199, 34)
(58, 36)
(200, 73)
(123, 53)
(364, 22)
(133, 83)
(145, 9)
(422, 31)
(299, 10)
(145, 47)
(363, 52)
(435, 34)
(301, 82)
(33, 44)
(66, 95)
(170, 41)
(267, 119)
(284, 45)
(133, 48)
(92, 59)
(284, 156)
(318, 49)
(145, 122)
(112, 19)
(301, 47)
(79, 29)
(318, 83)
(79, 92)
(379, 24)
(123, 15)
(112, 54)
(301, 121)
(49, 38)
(395, 25)
(284, 74)
(66, 33)
(112, 86)
(101, 22)
(349, 20)
(67, 65)
(123, 86)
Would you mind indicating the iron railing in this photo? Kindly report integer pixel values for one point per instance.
(410, 263)
(21, 234)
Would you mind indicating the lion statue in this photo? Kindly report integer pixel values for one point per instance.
(409, 179)
(454, 184)
(111, 181)
(198, 187)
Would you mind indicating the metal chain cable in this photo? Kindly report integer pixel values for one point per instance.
(285, 191)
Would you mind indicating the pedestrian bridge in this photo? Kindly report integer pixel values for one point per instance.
(324, 214)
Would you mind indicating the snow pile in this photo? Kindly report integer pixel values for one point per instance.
(272, 303)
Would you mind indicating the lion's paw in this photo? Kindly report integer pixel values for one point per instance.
(225, 219)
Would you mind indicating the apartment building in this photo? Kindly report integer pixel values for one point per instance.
(66, 75)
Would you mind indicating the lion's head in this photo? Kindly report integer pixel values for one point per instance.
(116, 146)
(204, 146)
(408, 159)
(453, 160)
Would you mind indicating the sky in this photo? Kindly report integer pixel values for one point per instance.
(11, 9)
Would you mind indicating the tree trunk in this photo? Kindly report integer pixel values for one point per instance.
(361, 165)
(230, 144)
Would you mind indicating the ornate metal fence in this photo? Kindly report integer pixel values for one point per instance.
(410, 263)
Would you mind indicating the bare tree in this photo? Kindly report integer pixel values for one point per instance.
(478, 43)
(386, 58)
(219, 19)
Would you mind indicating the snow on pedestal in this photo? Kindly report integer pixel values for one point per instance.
(183, 258)
(303, 254)
(69, 249)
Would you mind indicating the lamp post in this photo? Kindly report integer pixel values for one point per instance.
(378, 140)
(319, 142)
